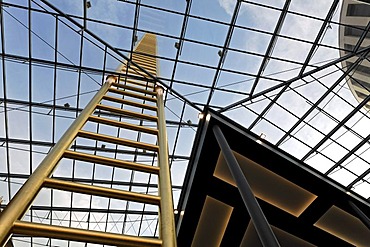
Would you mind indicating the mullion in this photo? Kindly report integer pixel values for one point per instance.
(311, 52)
(299, 140)
(271, 46)
(247, 28)
(290, 81)
(319, 36)
(5, 98)
(54, 108)
(336, 128)
(134, 33)
(178, 132)
(224, 50)
(237, 50)
(321, 99)
(197, 17)
(316, 129)
(336, 94)
(30, 94)
(181, 43)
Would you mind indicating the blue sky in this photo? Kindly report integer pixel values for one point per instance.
(120, 13)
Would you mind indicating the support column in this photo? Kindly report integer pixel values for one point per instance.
(362, 216)
(167, 221)
(259, 220)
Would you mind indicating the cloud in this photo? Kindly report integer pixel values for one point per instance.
(227, 5)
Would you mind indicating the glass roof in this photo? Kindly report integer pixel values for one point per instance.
(272, 66)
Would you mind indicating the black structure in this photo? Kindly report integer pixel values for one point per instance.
(302, 206)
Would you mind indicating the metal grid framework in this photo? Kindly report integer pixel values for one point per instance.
(272, 66)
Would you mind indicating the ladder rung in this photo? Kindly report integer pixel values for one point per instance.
(143, 57)
(134, 89)
(146, 85)
(136, 70)
(127, 112)
(82, 235)
(119, 141)
(135, 95)
(147, 64)
(111, 162)
(129, 102)
(100, 191)
(123, 125)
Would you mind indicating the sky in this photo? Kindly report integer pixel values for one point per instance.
(204, 38)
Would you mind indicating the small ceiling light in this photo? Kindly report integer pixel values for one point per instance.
(182, 212)
(261, 137)
(88, 4)
(201, 115)
(66, 105)
(177, 45)
(208, 117)
(348, 193)
(176, 211)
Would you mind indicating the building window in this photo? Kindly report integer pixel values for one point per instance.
(361, 95)
(360, 69)
(355, 31)
(349, 47)
(358, 83)
(358, 10)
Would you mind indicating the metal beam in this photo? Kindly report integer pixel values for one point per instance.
(337, 127)
(313, 49)
(224, 49)
(290, 81)
(259, 220)
(362, 216)
(349, 154)
(119, 53)
(314, 106)
(362, 38)
(271, 46)
(90, 210)
(319, 36)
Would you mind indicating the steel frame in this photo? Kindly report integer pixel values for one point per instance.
(271, 94)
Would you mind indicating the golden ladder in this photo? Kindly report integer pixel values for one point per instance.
(10, 218)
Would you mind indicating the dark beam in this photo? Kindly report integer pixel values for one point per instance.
(259, 220)
(119, 53)
(290, 81)
(319, 36)
(224, 49)
(337, 127)
(349, 154)
(271, 45)
(313, 49)
(314, 106)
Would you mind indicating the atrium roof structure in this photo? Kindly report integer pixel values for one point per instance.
(273, 67)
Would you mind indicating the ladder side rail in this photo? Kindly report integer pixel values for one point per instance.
(20, 203)
(167, 223)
